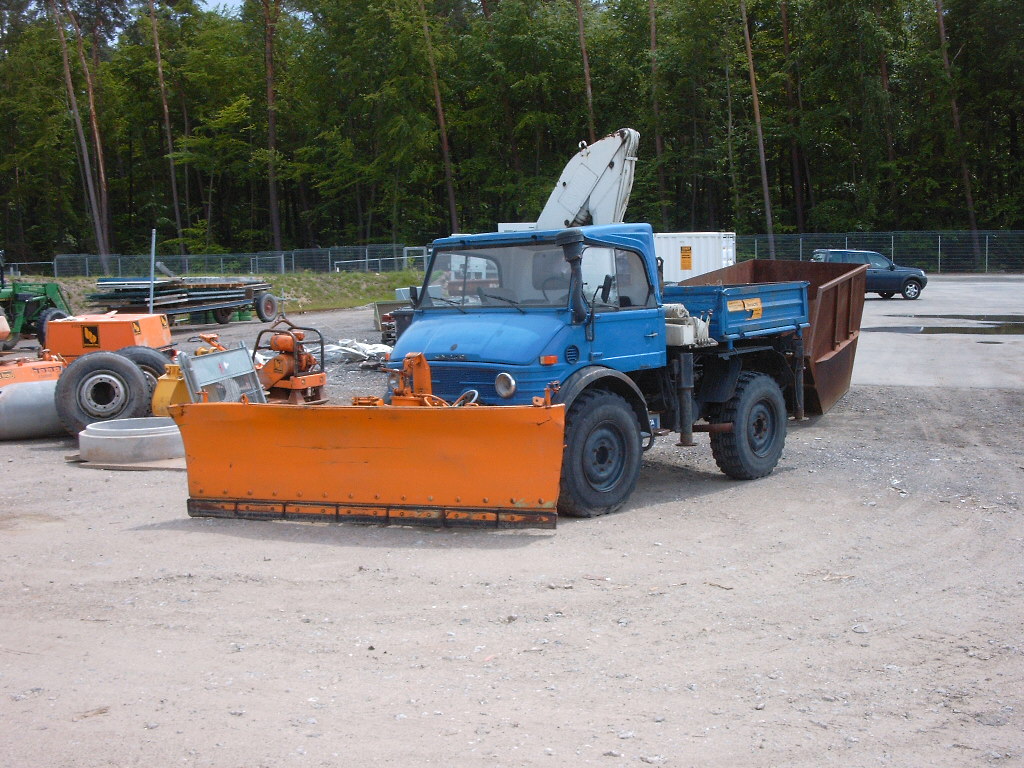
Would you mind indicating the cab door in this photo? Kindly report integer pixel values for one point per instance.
(881, 276)
(628, 325)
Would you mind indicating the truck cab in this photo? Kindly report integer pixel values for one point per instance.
(506, 314)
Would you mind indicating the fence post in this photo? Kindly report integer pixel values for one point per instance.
(986, 254)
(892, 246)
(939, 270)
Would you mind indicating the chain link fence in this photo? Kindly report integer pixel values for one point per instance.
(362, 258)
(935, 252)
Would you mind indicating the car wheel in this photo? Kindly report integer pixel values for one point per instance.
(911, 289)
(886, 294)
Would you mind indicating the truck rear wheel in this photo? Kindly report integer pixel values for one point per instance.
(601, 464)
(757, 411)
(100, 386)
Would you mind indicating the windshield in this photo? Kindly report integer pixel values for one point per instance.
(534, 275)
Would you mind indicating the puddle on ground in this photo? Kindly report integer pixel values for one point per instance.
(1002, 329)
(990, 325)
(978, 318)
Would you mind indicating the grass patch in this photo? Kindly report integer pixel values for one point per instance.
(302, 291)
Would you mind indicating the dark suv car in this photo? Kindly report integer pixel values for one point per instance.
(883, 277)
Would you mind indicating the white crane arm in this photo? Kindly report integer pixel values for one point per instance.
(595, 184)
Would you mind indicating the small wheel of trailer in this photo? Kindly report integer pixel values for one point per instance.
(223, 315)
(601, 464)
(267, 306)
(151, 362)
(10, 342)
(757, 411)
(48, 314)
(100, 386)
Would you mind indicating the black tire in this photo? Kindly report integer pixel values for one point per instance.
(223, 315)
(100, 386)
(601, 463)
(10, 342)
(757, 411)
(267, 307)
(151, 362)
(48, 314)
(886, 294)
(911, 290)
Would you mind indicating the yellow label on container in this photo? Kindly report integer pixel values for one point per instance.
(753, 306)
(685, 257)
(90, 336)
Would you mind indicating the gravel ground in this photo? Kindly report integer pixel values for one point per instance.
(859, 607)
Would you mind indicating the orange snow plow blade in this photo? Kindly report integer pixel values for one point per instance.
(489, 466)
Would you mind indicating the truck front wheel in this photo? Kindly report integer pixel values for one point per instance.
(757, 411)
(601, 464)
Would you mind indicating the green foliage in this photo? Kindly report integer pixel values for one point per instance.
(856, 115)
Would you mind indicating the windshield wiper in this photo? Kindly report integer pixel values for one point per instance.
(507, 300)
(456, 304)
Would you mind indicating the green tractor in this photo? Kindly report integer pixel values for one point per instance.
(29, 307)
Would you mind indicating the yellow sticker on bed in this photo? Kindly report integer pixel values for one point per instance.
(753, 306)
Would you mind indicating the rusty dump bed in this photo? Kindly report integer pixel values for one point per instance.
(481, 466)
(836, 304)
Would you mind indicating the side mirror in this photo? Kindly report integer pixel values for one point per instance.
(892, 267)
(414, 295)
(606, 288)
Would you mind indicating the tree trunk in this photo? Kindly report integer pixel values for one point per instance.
(760, 133)
(794, 123)
(168, 135)
(83, 146)
(728, 143)
(102, 199)
(659, 142)
(271, 13)
(442, 125)
(586, 72)
(964, 171)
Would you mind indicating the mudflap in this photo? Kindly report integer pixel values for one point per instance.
(473, 466)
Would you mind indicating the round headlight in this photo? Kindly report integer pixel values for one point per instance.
(505, 385)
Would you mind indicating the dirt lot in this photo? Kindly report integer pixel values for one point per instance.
(860, 607)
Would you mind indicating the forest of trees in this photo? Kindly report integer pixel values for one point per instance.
(309, 123)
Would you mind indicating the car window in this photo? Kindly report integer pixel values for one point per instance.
(878, 261)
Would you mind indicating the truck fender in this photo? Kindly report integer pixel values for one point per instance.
(719, 380)
(598, 377)
(721, 374)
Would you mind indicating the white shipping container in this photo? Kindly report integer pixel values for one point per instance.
(688, 254)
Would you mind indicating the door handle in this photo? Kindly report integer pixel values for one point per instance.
(651, 335)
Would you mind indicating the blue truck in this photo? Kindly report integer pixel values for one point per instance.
(502, 316)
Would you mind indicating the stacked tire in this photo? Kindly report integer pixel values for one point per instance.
(103, 386)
